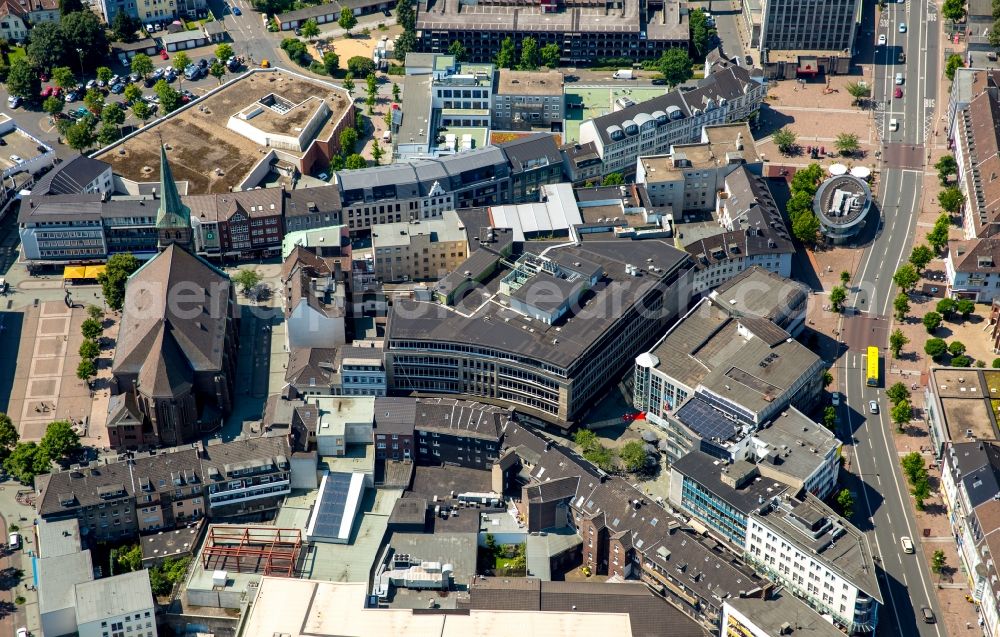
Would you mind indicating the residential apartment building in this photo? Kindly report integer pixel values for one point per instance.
(419, 250)
(719, 374)
(116, 606)
(795, 25)
(631, 29)
(18, 16)
(395, 437)
(175, 363)
(582, 163)
(972, 268)
(523, 100)
(752, 233)
(340, 371)
(970, 480)
(652, 127)
(315, 300)
(533, 346)
(802, 545)
(167, 489)
(458, 432)
(976, 139)
(690, 176)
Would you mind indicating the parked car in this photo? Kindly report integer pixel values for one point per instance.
(115, 79)
(899, 79)
(46, 91)
(13, 101)
(157, 74)
(236, 10)
(118, 88)
(134, 77)
(907, 544)
(898, 93)
(836, 399)
(203, 63)
(881, 39)
(163, 54)
(91, 84)
(873, 406)
(72, 96)
(14, 539)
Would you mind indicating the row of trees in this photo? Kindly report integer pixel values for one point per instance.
(90, 348)
(632, 456)
(916, 475)
(938, 348)
(24, 460)
(805, 225)
(902, 408)
(947, 309)
(532, 56)
(785, 139)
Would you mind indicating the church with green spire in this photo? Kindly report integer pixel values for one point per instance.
(173, 218)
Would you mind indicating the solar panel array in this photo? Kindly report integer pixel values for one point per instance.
(331, 505)
(706, 421)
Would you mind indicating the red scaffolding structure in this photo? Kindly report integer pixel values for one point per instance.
(253, 549)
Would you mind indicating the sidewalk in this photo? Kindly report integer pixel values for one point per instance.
(14, 513)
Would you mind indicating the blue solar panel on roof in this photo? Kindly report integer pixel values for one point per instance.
(705, 421)
(331, 504)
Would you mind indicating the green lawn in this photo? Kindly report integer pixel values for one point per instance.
(16, 52)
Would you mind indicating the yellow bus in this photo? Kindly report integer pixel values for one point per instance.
(873, 367)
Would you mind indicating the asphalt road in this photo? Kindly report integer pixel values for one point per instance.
(883, 506)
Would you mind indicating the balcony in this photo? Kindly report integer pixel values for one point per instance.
(245, 494)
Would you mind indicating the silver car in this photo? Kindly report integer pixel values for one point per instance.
(873, 406)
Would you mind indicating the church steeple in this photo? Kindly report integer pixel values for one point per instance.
(173, 218)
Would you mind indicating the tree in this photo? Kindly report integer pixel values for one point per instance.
(348, 84)
(296, 50)
(224, 51)
(371, 85)
(331, 63)
(901, 413)
(946, 167)
(246, 279)
(931, 321)
(405, 15)
(965, 307)
(837, 297)
(897, 393)
(956, 348)
(62, 76)
(906, 277)
(169, 98)
(405, 42)
(127, 558)
(846, 143)
(95, 313)
(355, 161)
(784, 139)
(22, 79)
(395, 92)
(830, 417)
(613, 179)
(530, 56)
(921, 256)
(25, 461)
(675, 66)
(700, 32)
(585, 439)
(180, 62)
(961, 361)
(935, 348)
(132, 93)
(166, 574)
(953, 63)
(845, 278)
(104, 74)
(8, 432)
(506, 55)
(91, 329)
(47, 47)
(348, 139)
(108, 133)
(807, 179)
(996, 363)
(59, 441)
(945, 306)
(938, 559)
(53, 105)
(457, 49)
(94, 101)
(901, 305)
(858, 91)
(217, 70)
(551, 55)
(142, 65)
(80, 135)
(347, 21)
(310, 29)
(82, 31)
(116, 273)
(951, 199)
(67, 7)
(938, 236)
(897, 340)
(124, 26)
(845, 500)
(633, 455)
(805, 227)
(913, 466)
(827, 378)
(954, 10)
(377, 153)
(89, 349)
(86, 370)
(113, 114)
(141, 110)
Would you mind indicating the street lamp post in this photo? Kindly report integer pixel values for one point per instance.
(79, 53)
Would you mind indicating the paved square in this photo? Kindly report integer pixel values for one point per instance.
(53, 326)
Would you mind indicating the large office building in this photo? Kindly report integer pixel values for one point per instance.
(653, 127)
(799, 25)
(778, 616)
(585, 31)
(563, 320)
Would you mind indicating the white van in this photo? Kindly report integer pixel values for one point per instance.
(387, 136)
(899, 79)
(907, 544)
(14, 540)
(893, 124)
